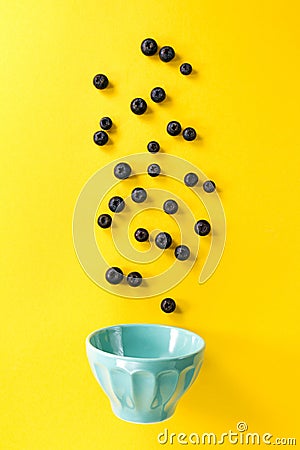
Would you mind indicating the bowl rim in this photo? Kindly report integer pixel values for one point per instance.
(141, 360)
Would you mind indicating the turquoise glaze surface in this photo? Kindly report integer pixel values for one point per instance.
(144, 369)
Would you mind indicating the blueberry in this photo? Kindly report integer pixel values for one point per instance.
(166, 53)
(189, 134)
(163, 240)
(202, 227)
(100, 81)
(191, 179)
(134, 279)
(149, 47)
(106, 123)
(158, 94)
(104, 221)
(100, 138)
(153, 170)
(122, 171)
(141, 235)
(116, 204)
(138, 106)
(168, 305)
(170, 207)
(138, 195)
(186, 69)
(174, 128)
(182, 252)
(209, 186)
(153, 147)
(114, 275)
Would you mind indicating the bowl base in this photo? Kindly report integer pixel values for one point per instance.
(142, 418)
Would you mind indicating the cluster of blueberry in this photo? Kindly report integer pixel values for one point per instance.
(139, 105)
(114, 275)
(149, 47)
(163, 240)
(123, 170)
(116, 204)
(101, 137)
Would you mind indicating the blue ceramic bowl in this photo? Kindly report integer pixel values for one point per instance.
(144, 369)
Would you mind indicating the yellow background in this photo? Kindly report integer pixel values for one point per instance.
(244, 101)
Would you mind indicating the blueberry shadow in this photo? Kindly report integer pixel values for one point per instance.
(192, 257)
(173, 63)
(167, 100)
(194, 74)
(108, 91)
(109, 87)
(113, 129)
(109, 142)
(177, 58)
(198, 139)
(177, 138)
(178, 310)
(148, 111)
